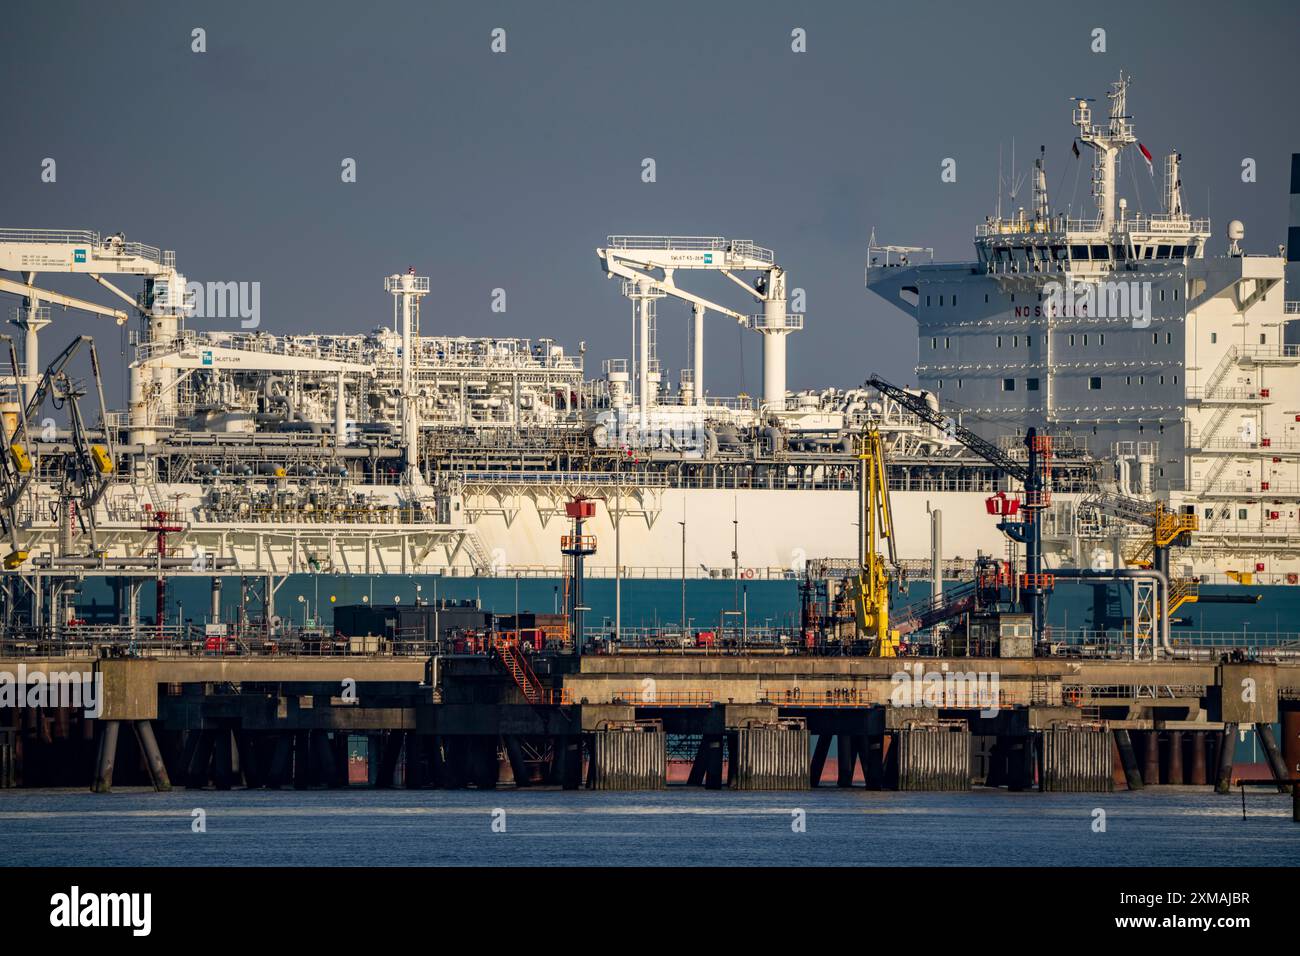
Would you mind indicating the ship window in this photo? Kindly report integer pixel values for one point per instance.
(1015, 341)
(1180, 252)
(1175, 295)
(1169, 338)
(940, 383)
(941, 300)
(954, 300)
(1263, 339)
(999, 341)
(986, 298)
(1241, 514)
(1209, 513)
(947, 342)
(1079, 252)
(1100, 252)
(1085, 338)
(1013, 297)
(1058, 252)
(1094, 383)
(959, 383)
(1142, 379)
(1162, 380)
(1008, 385)
(1031, 385)
(1128, 379)
(1162, 295)
(1148, 251)
(1175, 382)
(1162, 252)
(1214, 337)
(1101, 338)
(1155, 338)
(934, 343)
(927, 301)
(1071, 338)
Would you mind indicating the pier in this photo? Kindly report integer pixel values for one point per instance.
(504, 717)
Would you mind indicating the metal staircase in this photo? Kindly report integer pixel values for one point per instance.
(516, 666)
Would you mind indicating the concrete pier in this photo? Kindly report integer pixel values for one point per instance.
(629, 756)
(750, 721)
(772, 756)
(933, 757)
(1077, 760)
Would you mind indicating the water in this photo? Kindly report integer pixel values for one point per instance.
(1171, 826)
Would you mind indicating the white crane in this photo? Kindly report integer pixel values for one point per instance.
(164, 303)
(636, 259)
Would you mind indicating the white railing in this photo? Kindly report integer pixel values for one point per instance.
(734, 247)
(630, 481)
(693, 243)
(69, 236)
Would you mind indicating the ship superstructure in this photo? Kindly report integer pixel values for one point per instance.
(1125, 330)
(401, 451)
(1158, 370)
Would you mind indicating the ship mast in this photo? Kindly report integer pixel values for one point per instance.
(1106, 142)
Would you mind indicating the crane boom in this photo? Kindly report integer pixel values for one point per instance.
(919, 407)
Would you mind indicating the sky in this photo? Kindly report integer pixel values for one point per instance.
(507, 170)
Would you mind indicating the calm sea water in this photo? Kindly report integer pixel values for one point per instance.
(1170, 826)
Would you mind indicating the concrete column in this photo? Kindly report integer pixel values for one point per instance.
(153, 756)
(1176, 758)
(1128, 759)
(1151, 759)
(107, 755)
(844, 756)
(1269, 742)
(1227, 746)
(821, 751)
(1197, 778)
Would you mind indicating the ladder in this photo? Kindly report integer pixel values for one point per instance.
(517, 667)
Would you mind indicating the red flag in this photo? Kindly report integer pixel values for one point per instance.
(1147, 156)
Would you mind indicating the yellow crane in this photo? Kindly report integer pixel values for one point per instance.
(869, 589)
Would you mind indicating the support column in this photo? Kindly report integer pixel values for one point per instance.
(698, 365)
(517, 765)
(1176, 758)
(153, 756)
(1198, 758)
(1227, 746)
(871, 752)
(844, 755)
(1128, 759)
(107, 755)
(821, 751)
(1269, 743)
(1151, 759)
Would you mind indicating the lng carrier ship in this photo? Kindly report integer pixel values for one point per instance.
(402, 451)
